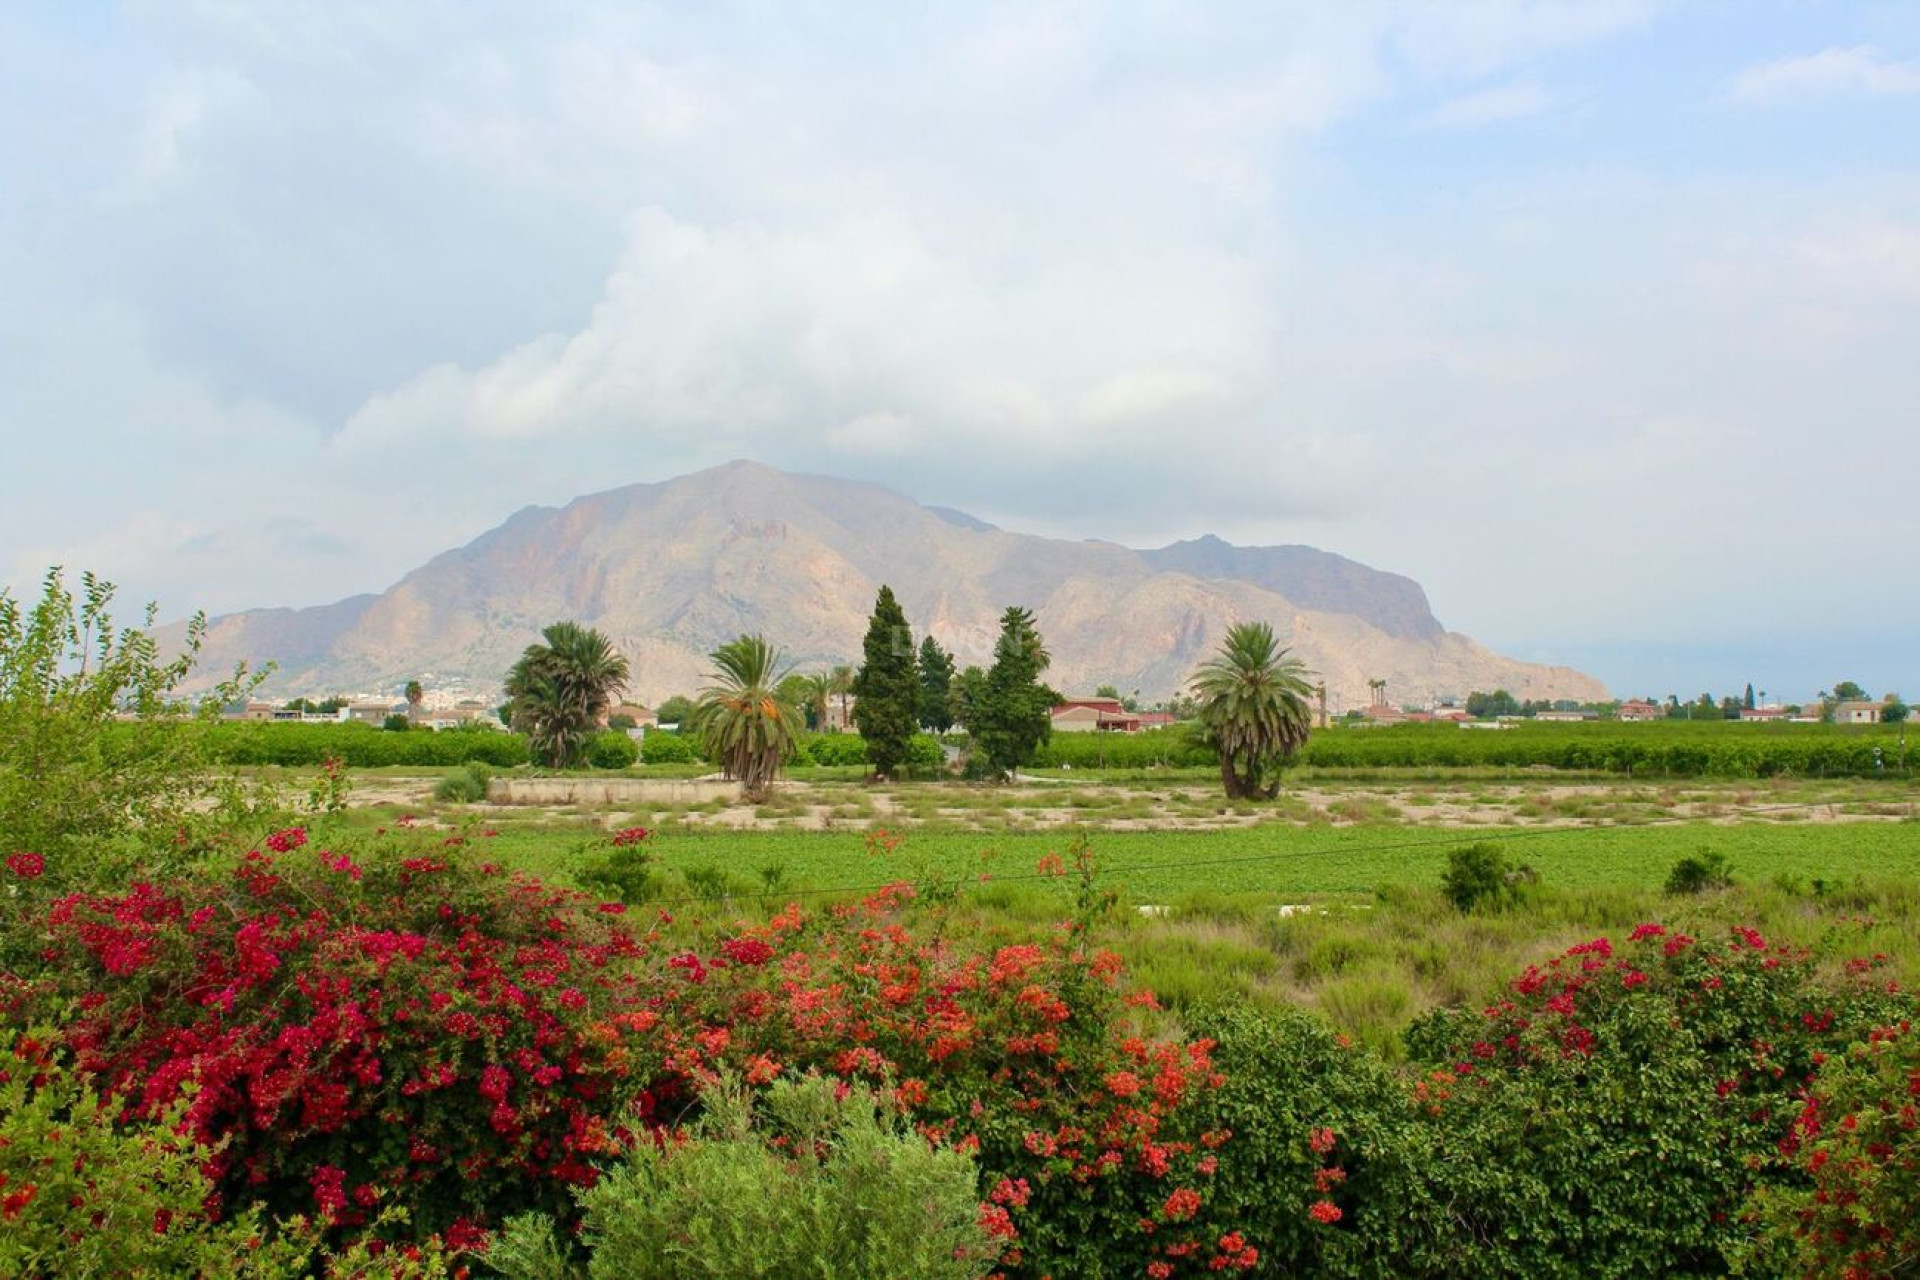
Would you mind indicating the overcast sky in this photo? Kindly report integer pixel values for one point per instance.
(1601, 320)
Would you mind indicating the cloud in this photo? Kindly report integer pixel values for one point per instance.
(389, 273)
(740, 329)
(1858, 70)
(1488, 106)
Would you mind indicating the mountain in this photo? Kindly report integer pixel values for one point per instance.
(669, 570)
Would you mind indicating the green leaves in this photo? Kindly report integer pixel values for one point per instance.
(1009, 712)
(888, 687)
(559, 691)
(810, 1181)
(98, 742)
(1253, 709)
(744, 718)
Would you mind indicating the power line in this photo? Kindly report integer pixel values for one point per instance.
(1246, 859)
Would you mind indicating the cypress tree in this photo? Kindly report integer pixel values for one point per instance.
(887, 688)
(936, 686)
(1015, 712)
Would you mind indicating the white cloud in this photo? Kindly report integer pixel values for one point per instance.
(740, 330)
(1859, 69)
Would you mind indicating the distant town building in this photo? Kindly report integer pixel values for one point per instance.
(374, 711)
(1571, 717)
(1764, 715)
(1856, 711)
(462, 715)
(1094, 715)
(1638, 709)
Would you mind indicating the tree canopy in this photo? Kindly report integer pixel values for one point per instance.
(887, 688)
(560, 690)
(744, 719)
(1011, 711)
(1253, 709)
(936, 686)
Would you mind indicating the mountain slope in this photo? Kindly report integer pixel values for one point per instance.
(671, 569)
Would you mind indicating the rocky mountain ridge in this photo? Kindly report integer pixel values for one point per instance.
(671, 569)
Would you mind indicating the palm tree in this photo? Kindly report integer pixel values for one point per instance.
(743, 717)
(415, 696)
(817, 689)
(841, 679)
(559, 692)
(1253, 710)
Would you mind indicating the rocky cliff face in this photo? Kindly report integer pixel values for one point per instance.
(670, 570)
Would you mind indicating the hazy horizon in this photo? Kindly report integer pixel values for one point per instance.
(1594, 319)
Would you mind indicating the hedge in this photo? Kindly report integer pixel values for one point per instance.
(1727, 749)
(362, 746)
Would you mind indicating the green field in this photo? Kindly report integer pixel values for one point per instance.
(1151, 866)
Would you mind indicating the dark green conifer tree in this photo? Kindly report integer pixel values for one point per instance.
(886, 691)
(1014, 715)
(936, 686)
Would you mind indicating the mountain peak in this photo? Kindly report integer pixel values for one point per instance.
(671, 569)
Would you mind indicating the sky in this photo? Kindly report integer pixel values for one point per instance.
(1601, 320)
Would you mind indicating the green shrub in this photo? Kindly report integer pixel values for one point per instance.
(835, 749)
(1313, 1120)
(1616, 1111)
(613, 750)
(1478, 875)
(808, 1181)
(73, 778)
(465, 785)
(81, 1194)
(626, 872)
(1699, 872)
(1858, 1144)
(925, 757)
(662, 747)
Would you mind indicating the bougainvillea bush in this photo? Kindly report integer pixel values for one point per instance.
(1857, 1140)
(1091, 1137)
(351, 1031)
(407, 1048)
(1615, 1111)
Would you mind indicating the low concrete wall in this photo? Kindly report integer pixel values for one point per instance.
(609, 791)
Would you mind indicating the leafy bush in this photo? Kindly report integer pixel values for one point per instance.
(1478, 875)
(465, 785)
(72, 777)
(1091, 1137)
(835, 749)
(1321, 1131)
(1699, 872)
(80, 1195)
(343, 1025)
(1857, 1143)
(613, 750)
(1615, 1113)
(661, 747)
(805, 1180)
(625, 873)
(925, 757)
